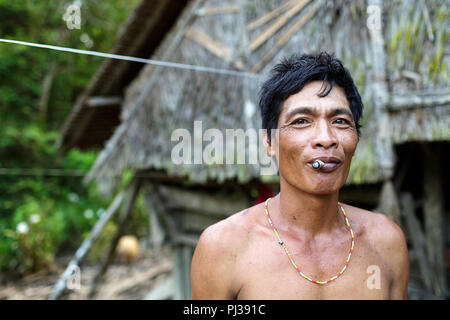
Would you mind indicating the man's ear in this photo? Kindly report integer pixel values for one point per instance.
(267, 143)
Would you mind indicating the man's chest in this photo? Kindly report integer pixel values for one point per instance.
(269, 274)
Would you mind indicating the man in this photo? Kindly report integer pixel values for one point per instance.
(303, 244)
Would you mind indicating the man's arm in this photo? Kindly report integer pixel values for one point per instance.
(396, 253)
(212, 265)
(400, 260)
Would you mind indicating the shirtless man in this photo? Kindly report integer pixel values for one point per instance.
(315, 107)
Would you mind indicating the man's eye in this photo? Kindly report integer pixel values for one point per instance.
(341, 121)
(299, 121)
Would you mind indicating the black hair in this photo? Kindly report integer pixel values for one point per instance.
(293, 73)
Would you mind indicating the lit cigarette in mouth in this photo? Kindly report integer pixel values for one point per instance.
(317, 164)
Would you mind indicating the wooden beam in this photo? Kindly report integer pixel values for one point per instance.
(215, 47)
(98, 102)
(270, 54)
(411, 100)
(276, 25)
(269, 16)
(80, 254)
(218, 10)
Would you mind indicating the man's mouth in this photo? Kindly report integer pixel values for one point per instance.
(329, 163)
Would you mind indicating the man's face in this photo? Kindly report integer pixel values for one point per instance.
(311, 128)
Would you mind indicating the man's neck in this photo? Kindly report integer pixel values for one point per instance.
(304, 212)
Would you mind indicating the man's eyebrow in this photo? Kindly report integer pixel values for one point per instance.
(340, 111)
(312, 111)
(300, 110)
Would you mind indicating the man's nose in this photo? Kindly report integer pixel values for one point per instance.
(324, 136)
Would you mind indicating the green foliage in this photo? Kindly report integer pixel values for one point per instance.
(39, 230)
(67, 210)
(101, 246)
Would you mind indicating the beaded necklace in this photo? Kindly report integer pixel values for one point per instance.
(290, 257)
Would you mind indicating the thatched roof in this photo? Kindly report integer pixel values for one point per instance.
(159, 100)
(97, 110)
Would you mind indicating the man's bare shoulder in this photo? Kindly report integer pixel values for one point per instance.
(213, 269)
(377, 226)
(230, 232)
(387, 239)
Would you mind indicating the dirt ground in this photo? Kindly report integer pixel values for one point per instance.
(122, 281)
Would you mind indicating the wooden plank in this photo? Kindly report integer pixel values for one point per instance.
(215, 47)
(195, 222)
(80, 254)
(218, 10)
(186, 239)
(202, 202)
(276, 25)
(270, 54)
(411, 100)
(269, 16)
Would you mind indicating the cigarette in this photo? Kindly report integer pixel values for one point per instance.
(317, 164)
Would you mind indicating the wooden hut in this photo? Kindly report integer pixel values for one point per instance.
(398, 54)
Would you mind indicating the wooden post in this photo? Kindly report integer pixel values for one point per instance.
(417, 237)
(124, 218)
(388, 203)
(60, 286)
(182, 272)
(433, 208)
(157, 232)
(383, 143)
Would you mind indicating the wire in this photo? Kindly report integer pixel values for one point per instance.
(81, 173)
(41, 172)
(141, 60)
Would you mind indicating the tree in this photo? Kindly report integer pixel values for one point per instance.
(37, 90)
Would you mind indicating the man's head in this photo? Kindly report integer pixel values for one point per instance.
(315, 106)
(292, 74)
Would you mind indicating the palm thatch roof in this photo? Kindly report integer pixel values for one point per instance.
(253, 35)
(97, 110)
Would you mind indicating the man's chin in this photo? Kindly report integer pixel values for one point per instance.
(324, 191)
